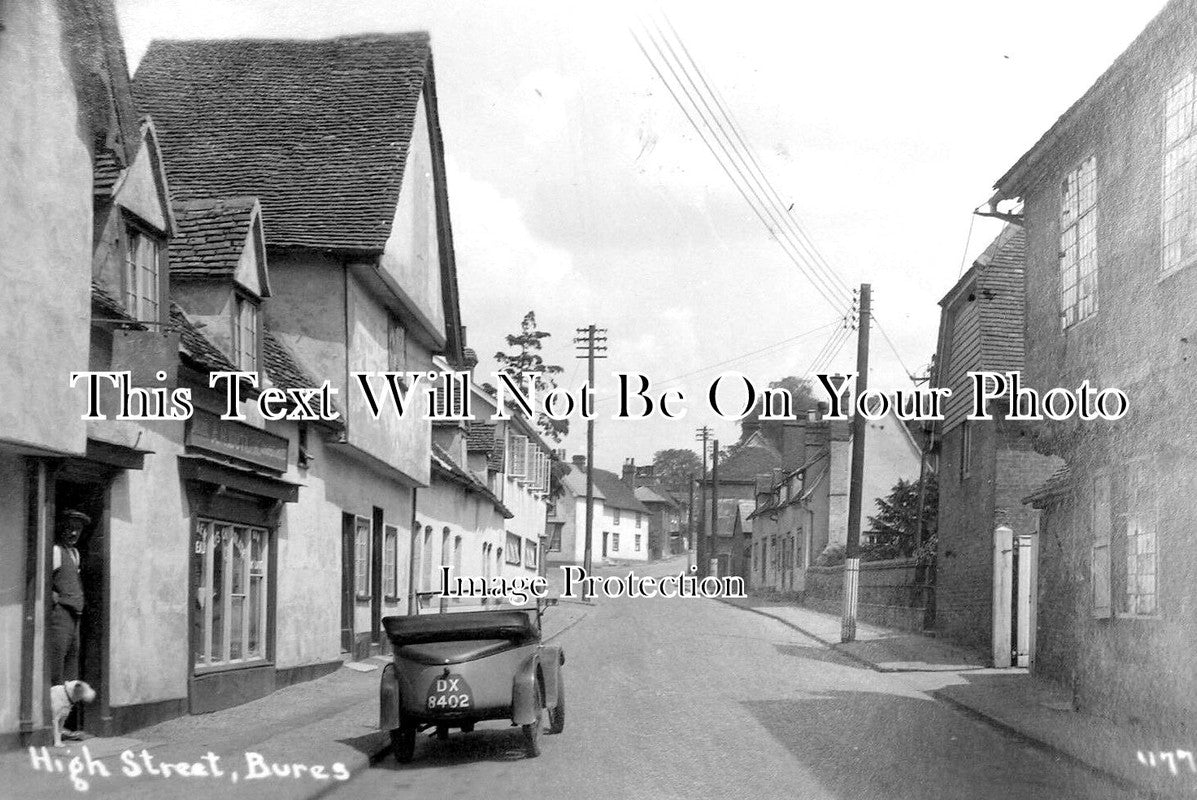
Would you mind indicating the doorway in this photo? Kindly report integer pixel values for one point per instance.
(80, 493)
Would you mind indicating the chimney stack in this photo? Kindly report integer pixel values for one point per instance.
(629, 472)
(580, 461)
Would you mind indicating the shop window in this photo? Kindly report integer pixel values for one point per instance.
(361, 557)
(232, 593)
(390, 558)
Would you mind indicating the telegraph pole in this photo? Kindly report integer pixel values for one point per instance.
(690, 518)
(856, 485)
(705, 568)
(591, 344)
(700, 544)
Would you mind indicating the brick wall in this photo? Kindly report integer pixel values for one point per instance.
(887, 593)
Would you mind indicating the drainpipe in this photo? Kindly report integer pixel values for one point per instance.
(411, 559)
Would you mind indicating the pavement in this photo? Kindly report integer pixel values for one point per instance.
(298, 742)
(1037, 711)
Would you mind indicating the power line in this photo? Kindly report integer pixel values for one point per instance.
(835, 304)
(795, 225)
(734, 359)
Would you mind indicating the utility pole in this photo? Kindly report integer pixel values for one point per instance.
(856, 484)
(705, 569)
(591, 343)
(690, 518)
(700, 544)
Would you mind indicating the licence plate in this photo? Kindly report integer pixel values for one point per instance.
(449, 693)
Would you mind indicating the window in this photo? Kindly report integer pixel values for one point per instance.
(637, 523)
(530, 548)
(513, 549)
(1135, 517)
(361, 556)
(396, 346)
(456, 555)
(518, 457)
(555, 538)
(486, 560)
(390, 557)
(615, 516)
(615, 541)
(1078, 244)
(1180, 176)
(143, 255)
(966, 450)
(233, 591)
(245, 334)
(1099, 563)
(637, 543)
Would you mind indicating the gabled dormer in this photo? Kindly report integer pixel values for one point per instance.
(133, 224)
(219, 273)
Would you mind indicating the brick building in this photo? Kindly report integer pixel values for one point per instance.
(986, 467)
(1107, 205)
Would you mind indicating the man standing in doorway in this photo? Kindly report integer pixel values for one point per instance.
(66, 598)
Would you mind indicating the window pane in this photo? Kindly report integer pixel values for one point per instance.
(220, 545)
(255, 617)
(236, 610)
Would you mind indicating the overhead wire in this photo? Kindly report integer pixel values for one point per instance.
(838, 304)
(816, 256)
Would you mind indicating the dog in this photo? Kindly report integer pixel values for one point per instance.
(62, 699)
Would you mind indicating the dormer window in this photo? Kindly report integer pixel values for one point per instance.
(142, 278)
(245, 334)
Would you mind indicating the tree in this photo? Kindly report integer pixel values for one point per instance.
(896, 523)
(803, 399)
(674, 467)
(528, 360)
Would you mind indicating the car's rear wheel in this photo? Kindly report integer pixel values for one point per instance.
(403, 742)
(532, 732)
(557, 715)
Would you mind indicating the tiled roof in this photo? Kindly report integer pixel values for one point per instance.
(317, 130)
(443, 466)
(616, 493)
(106, 171)
(646, 494)
(1058, 484)
(211, 236)
(285, 370)
(109, 307)
(754, 458)
(195, 345)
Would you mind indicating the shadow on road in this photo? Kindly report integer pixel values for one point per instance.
(485, 743)
(818, 653)
(876, 745)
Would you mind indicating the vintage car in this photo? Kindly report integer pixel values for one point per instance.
(457, 669)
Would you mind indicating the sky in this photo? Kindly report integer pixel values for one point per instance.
(579, 189)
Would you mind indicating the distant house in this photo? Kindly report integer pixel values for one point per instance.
(620, 530)
(802, 509)
(664, 533)
(987, 467)
(1106, 198)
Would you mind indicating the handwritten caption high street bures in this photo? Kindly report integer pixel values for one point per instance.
(81, 770)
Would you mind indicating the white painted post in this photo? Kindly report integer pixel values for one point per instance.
(1022, 643)
(851, 592)
(1003, 590)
